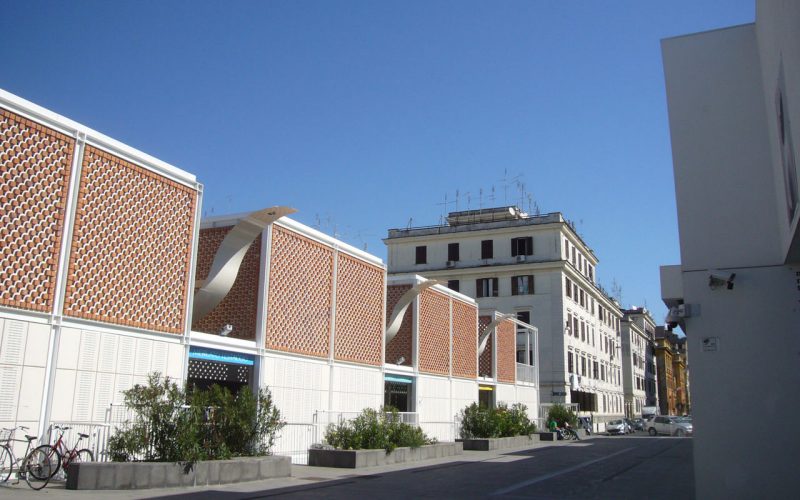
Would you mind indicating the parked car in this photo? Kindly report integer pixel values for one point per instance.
(629, 426)
(615, 427)
(638, 424)
(671, 426)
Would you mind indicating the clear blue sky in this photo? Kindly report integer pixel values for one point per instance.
(364, 115)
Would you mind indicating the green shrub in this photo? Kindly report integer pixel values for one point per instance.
(561, 414)
(481, 423)
(172, 426)
(375, 429)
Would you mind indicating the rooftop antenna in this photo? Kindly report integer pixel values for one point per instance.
(480, 198)
(492, 197)
(410, 221)
(469, 199)
(458, 196)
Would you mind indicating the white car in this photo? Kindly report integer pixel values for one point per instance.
(671, 426)
(616, 427)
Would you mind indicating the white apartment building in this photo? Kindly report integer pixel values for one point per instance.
(734, 114)
(539, 269)
(638, 360)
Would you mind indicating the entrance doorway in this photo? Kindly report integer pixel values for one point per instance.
(231, 370)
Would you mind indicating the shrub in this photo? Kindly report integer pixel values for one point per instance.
(481, 422)
(215, 424)
(375, 429)
(561, 415)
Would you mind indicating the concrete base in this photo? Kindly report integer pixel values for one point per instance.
(143, 475)
(496, 443)
(549, 436)
(354, 459)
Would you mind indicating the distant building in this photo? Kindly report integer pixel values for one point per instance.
(733, 98)
(538, 269)
(638, 360)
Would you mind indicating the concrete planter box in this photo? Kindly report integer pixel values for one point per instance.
(497, 443)
(355, 459)
(143, 475)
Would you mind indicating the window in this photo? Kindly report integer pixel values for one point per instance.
(568, 286)
(575, 330)
(596, 370)
(522, 285)
(452, 251)
(398, 392)
(453, 285)
(522, 246)
(570, 366)
(487, 249)
(486, 287)
(422, 255)
(583, 366)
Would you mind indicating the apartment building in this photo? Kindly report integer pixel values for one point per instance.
(733, 98)
(638, 360)
(539, 270)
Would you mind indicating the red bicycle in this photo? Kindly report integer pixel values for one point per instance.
(70, 456)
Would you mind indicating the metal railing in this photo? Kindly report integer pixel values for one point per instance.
(526, 373)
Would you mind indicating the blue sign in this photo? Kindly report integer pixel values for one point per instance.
(234, 358)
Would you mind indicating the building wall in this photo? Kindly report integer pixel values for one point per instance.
(402, 343)
(96, 260)
(434, 333)
(240, 307)
(732, 191)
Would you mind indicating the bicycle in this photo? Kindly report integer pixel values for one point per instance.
(68, 456)
(35, 466)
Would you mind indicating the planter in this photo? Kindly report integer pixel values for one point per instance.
(488, 444)
(143, 475)
(355, 459)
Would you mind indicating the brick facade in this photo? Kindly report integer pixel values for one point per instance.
(131, 247)
(401, 344)
(485, 361)
(300, 294)
(240, 307)
(434, 332)
(360, 289)
(35, 170)
(465, 340)
(506, 352)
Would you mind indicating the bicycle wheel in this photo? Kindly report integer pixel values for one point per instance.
(84, 455)
(40, 465)
(6, 463)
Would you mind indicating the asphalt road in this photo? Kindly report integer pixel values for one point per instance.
(615, 468)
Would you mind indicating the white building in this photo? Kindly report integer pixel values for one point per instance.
(638, 361)
(734, 113)
(539, 269)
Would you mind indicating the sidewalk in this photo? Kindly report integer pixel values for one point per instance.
(302, 475)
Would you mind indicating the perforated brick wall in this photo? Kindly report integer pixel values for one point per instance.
(506, 352)
(359, 306)
(35, 169)
(401, 344)
(300, 294)
(131, 247)
(434, 332)
(240, 307)
(485, 361)
(465, 340)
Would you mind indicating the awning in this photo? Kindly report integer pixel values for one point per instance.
(234, 358)
(398, 380)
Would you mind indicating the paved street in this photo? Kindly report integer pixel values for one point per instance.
(602, 467)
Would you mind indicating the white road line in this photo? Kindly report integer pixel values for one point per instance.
(539, 479)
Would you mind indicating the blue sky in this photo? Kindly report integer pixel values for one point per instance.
(365, 115)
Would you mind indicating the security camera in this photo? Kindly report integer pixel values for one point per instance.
(717, 280)
(677, 314)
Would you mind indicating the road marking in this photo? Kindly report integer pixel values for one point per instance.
(539, 479)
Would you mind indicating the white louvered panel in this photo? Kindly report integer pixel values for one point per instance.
(125, 355)
(9, 390)
(84, 396)
(123, 383)
(160, 354)
(12, 350)
(144, 355)
(2, 329)
(108, 353)
(87, 354)
(104, 393)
